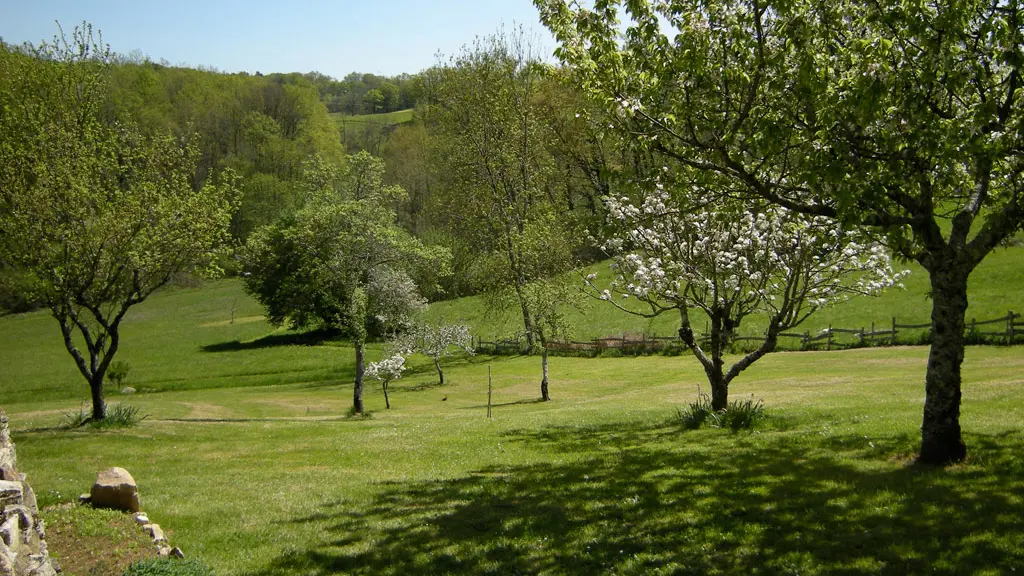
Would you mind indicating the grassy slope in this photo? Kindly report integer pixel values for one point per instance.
(995, 288)
(386, 119)
(246, 455)
(272, 480)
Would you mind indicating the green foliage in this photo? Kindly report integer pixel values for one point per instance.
(96, 213)
(307, 268)
(118, 373)
(739, 415)
(168, 567)
(117, 416)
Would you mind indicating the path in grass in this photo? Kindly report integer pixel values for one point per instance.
(269, 480)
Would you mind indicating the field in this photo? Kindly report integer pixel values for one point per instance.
(345, 121)
(249, 460)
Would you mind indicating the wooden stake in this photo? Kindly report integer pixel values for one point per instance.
(488, 391)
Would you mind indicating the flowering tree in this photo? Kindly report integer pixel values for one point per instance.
(731, 264)
(904, 116)
(437, 341)
(341, 260)
(386, 370)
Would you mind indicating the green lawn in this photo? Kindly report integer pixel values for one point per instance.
(387, 119)
(996, 287)
(248, 459)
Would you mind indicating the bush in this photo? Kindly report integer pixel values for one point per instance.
(118, 416)
(168, 567)
(739, 415)
(118, 373)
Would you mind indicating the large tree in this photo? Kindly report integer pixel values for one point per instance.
(901, 116)
(96, 214)
(341, 261)
(500, 192)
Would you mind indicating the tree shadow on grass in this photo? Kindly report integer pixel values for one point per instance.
(629, 500)
(310, 338)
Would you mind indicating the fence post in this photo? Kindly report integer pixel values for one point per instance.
(828, 341)
(893, 330)
(1009, 328)
(806, 340)
(488, 391)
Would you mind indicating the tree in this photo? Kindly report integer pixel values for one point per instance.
(436, 341)
(899, 116)
(500, 192)
(386, 370)
(98, 215)
(341, 260)
(731, 265)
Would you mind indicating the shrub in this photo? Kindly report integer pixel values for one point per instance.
(118, 373)
(168, 567)
(118, 416)
(739, 415)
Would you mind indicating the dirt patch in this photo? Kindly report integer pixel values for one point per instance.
(87, 542)
(207, 411)
(242, 320)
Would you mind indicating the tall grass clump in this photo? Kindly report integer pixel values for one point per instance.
(739, 415)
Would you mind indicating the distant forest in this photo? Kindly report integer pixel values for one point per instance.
(268, 128)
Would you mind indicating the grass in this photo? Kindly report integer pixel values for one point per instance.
(345, 121)
(248, 457)
(90, 542)
(995, 289)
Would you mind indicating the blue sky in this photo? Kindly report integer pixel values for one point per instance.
(384, 37)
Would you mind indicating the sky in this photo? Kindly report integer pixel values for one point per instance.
(384, 37)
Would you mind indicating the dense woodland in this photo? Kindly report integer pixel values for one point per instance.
(266, 127)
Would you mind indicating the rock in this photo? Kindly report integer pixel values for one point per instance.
(84, 498)
(155, 532)
(127, 390)
(115, 488)
(29, 498)
(177, 553)
(163, 551)
(10, 474)
(10, 493)
(141, 518)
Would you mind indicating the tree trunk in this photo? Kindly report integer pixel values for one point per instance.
(544, 375)
(357, 390)
(440, 373)
(719, 387)
(99, 407)
(941, 442)
(387, 401)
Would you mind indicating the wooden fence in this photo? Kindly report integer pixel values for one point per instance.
(976, 332)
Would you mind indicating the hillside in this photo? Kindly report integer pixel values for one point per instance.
(996, 287)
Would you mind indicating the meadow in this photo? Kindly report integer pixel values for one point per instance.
(247, 456)
(348, 121)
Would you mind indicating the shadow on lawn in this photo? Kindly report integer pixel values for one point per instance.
(624, 500)
(310, 338)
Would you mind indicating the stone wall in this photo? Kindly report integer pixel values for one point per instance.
(22, 538)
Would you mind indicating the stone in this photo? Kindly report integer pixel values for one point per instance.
(177, 553)
(10, 532)
(127, 390)
(115, 488)
(163, 551)
(141, 518)
(84, 498)
(10, 493)
(155, 532)
(29, 498)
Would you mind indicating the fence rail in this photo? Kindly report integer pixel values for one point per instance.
(1013, 331)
